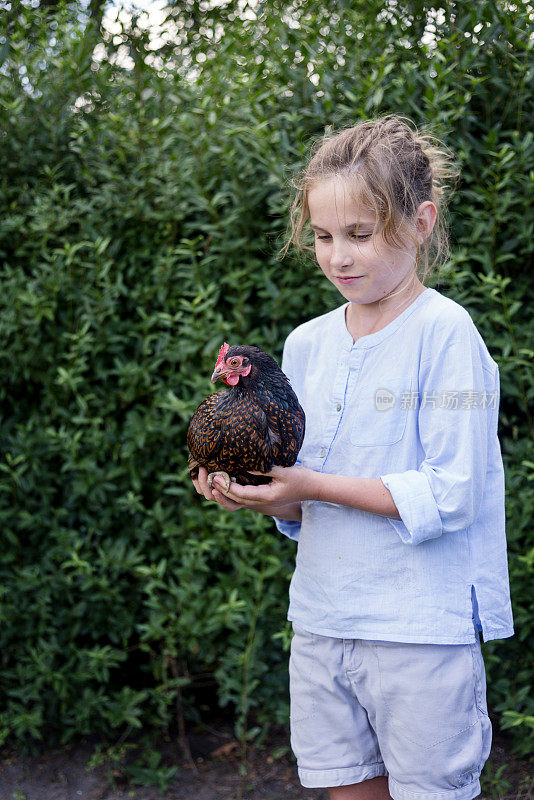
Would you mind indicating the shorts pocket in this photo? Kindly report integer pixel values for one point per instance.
(380, 412)
(302, 695)
(428, 690)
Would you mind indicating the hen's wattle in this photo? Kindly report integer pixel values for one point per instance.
(255, 424)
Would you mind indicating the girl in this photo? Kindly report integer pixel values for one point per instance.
(397, 500)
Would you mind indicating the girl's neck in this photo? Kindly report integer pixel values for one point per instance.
(364, 319)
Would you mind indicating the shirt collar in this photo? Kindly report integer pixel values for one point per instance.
(373, 339)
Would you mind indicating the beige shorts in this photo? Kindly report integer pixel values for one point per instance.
(414, 712)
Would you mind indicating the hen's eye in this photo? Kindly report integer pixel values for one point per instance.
(234, 362)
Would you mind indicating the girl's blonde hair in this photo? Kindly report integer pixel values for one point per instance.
(390, 168)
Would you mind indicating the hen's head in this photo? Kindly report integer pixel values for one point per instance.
(242, 364)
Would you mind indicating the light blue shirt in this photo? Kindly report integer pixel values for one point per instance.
(416, 405)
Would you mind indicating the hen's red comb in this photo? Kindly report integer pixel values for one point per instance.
(222, 352)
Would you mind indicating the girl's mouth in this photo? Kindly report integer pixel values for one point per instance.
(353, 279)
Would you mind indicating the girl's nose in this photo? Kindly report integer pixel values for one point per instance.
(341, 255)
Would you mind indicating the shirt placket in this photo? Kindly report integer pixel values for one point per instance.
(348, 370)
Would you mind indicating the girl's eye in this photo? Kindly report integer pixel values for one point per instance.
(360, 237)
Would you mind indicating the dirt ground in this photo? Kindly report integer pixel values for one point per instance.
(74, 772)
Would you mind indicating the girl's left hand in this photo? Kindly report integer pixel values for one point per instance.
(288, 485)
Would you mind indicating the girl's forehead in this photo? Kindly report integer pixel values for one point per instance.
(338, 202)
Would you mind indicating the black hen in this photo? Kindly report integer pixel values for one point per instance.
(253, 425)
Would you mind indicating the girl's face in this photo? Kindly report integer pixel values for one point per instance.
(363, 267)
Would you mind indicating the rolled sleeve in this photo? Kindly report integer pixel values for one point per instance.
(444, 494)
(420, 519)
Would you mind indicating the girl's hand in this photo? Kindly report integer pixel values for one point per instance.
(289, 485)
(287, 482)
(201, 485)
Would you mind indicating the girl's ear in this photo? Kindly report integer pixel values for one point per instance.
(425, 219)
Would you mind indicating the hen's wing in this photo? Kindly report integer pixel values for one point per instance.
(286, 424)
(204, 432)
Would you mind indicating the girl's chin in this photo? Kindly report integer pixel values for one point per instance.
(357, 294)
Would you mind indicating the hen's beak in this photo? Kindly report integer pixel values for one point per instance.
(218, 373)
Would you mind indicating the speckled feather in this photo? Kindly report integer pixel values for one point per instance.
(255, 425)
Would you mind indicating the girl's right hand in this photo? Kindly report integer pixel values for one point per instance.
(201, 485)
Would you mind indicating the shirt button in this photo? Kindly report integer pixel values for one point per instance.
(322, 453)
(338, 407)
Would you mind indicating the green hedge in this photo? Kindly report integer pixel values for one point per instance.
(143, 204)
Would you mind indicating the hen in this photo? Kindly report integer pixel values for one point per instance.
(253, 425)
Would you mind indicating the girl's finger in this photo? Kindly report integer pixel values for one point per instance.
(245, 494)
(207, 492)
(202, 487)
(225, 502)
(205, 488)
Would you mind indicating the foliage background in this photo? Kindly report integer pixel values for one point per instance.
(144, 194)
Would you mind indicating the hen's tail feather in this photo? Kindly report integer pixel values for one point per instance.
(192, 466)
